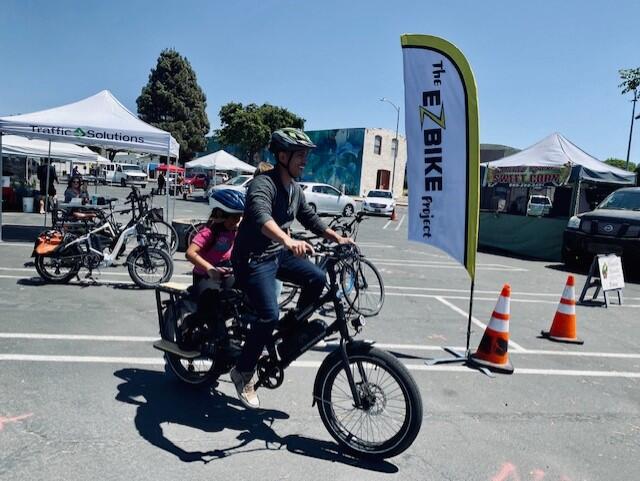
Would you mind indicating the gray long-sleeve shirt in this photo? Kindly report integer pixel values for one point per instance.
(267, 199)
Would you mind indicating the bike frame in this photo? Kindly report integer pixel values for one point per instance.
(338, 326)
(109, 257)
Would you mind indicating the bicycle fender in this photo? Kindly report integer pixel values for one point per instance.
(134, 251)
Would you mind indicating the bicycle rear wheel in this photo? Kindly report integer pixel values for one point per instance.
(190, 371)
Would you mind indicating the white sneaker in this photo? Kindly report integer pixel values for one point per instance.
(245, 387)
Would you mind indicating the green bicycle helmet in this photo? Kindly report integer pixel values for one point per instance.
(290, 140)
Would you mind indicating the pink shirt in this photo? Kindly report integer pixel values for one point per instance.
(214, 252)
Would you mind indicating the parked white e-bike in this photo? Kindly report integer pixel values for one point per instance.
(59, 256)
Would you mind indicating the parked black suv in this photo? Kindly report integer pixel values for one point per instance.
(612, 228)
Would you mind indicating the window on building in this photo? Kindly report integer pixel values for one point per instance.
(377, 146)
(394, 147)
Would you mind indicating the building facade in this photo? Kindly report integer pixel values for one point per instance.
(357, 160)
(352, 160)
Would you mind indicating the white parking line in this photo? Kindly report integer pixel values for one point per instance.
(400, 223)
(488, 299)
(445, 263)
(387, 224)
(159, 361)
(466, 291)
(448, 266)
(75, 337)
(375, 244)
(381, 345)
(16, 244)
(99, 272)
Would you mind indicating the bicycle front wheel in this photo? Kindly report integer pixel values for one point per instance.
(149, 267)
(389, 416)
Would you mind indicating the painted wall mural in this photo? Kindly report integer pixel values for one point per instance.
(337, 160)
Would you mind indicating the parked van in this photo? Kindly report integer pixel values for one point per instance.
(124, 174)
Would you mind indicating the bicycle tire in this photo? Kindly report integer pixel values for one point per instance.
(193, 231)
(362, 287)
(133, 265)
(385, 375)
(170, 232)
(287, 294)
(52, 278)
(184, 369)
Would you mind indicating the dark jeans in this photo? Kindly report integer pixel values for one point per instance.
(257, 279)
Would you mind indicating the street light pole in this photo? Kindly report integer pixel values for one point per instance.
(633, 117)
(395, 152)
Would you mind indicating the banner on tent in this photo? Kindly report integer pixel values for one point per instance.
(443, 165)
(529, 176)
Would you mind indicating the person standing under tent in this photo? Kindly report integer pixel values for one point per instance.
(46, 194)
(161, 183)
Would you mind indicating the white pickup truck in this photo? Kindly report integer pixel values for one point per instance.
(124, 174)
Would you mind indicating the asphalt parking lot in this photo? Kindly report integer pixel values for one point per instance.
(84, 395)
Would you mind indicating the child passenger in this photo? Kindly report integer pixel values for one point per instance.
(210, 249)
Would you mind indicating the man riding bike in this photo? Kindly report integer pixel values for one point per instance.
(265, 251)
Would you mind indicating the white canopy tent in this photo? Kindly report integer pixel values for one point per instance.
(220, 160)
(99, 120)
(557, 151)
(15, 145)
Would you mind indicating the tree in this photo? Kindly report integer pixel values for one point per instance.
(173, 101)
(621, 164)
(249, 127)
(630, 83)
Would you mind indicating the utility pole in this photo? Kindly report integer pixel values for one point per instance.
(395, 151)
(633, 117)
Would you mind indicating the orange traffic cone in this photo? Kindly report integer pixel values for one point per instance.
(492, 351)
(393, 215)
(563, 327)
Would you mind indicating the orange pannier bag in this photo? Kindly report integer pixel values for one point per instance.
(48, 242)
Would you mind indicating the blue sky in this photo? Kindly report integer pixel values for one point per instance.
(540, 66)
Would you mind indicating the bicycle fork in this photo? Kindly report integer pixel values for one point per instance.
(345, 357)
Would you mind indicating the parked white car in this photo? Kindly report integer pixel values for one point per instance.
(240, 183)
(539, 205)
(379, 202)
(124, 174)
(326, 199)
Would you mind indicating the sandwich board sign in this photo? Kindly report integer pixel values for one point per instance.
(605, 274)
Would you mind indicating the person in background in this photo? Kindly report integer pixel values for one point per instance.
(84, 191)
(45, 192)
(262, 168)
(161, 183)
(75, 172)
(179, 183)
(74, 190)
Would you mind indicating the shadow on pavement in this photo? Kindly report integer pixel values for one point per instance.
(159, 399)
